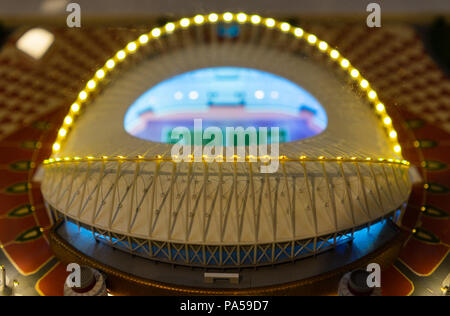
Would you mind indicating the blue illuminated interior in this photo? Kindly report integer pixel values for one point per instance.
(225, 97)
(362, 237)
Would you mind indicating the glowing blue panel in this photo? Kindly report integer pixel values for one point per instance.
(225, 97)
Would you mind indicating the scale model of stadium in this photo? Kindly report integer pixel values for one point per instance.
(131, 194)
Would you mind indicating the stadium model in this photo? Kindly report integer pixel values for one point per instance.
(340, 187)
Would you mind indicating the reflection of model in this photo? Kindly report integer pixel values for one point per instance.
(308, 115)
(355, 284)
(446, 286)
(4, 289)
(92, 283)
(292, 126)
(3, 277)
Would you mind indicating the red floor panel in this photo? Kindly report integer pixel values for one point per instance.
(14, 153)
(394, 283)
(29, 257)
(10, 228)
(52, 284)
(423, 258)
(439, 227)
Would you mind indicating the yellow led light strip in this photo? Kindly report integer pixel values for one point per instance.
(233, 158)
(227, 17)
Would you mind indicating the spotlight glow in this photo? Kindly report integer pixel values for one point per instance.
(354, 73)
(298, 32)
(82, 95)
(56, 147)
(100, 74)
(285, 27)
(36, 42)
(259, 94)
(387, 120)
(380, 107)
(372, 94)
(334, 54)
(170, 27)
(345, 63)
(131, 47)
(270, 22)
(228, 17)
(143, 39)
(312, 39)
(193, 95)
(364, 83)
(156, 32)
(178, 95)
(91, 84)
(75, 107)
(213, 17)
(241, 17)
(185, 22)
(110, 64)
(121, 55)
(255, 19)
(199, 19)
(68, 120)
(323, 46)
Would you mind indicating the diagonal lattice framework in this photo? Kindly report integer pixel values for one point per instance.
(358, 199)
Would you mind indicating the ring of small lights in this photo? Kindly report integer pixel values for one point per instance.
(242, 18)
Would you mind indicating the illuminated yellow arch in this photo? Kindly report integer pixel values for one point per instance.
(228, 17)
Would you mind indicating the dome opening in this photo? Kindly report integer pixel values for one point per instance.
(225, 97)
